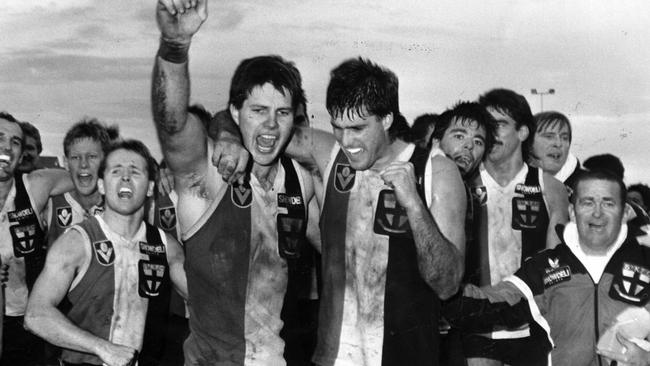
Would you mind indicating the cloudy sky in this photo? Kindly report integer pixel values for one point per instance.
(61, 60)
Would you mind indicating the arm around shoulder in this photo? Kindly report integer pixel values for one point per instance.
(556, 196)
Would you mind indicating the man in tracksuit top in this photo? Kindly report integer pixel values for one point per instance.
(391, 225)
(110, 269)
(574, 292)
(240, 239)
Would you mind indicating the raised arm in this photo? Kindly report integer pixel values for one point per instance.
(181, 134)
(438, 236)
(66, 256)
(44, 183)
(557, 199)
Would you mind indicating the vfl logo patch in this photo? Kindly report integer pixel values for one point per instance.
(291, 233)
(390, 217)
(525, 212)
(150, 278)
(632, 285)
(104, 252)
(344, 177)
(64, 216)
(480, 195)
(241, 194)
(555, 273)
(23, 239)
(167, 217)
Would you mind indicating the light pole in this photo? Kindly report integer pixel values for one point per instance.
(541, 96)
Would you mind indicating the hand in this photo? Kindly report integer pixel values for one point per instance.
(632, 354)
(165, 181)
(400, 176)
(178, 20)
(229, 155)
(117, 355)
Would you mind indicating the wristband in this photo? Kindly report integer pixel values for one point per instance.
(173, 52)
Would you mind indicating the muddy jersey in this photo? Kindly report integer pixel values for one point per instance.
(237, 253)
(375, 307)
(110, 297)
(21, 245)
(62, 212)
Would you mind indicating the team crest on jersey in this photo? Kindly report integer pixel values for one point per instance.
(390, 217)
(480, 195)
(291, 233)
(241, 194)
(525, 212)
(631, 285)
(167, 217)
(104, 252)
(150, 278)
(555, 273)
(64, 216)
(23, 239)
(344, 177)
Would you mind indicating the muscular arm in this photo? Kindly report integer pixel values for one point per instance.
(182, 137)
(176, 258)
(438, 236)
(556, 197)
(65, 257)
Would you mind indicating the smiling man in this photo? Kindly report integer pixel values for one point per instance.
(581, 291)
(109, 268)
(22, 252)
(241, 239)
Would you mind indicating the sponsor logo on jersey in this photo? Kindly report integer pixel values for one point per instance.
(288, 201)
(555, 273)
(631, 285)
(152, 249)
(526, 190)
(64, 216)
(343, 177)
(104, 252)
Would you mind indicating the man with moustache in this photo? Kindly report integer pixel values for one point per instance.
(109, 269)
(241, 239)
(22, 253)
(518, 208)
(391, 243)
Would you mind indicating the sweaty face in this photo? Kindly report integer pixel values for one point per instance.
(126, 184)
(464, 143)
(11, 145)
(598, 212)
(363, 138)
(30, 155)
(508, 137)
(266, 122)
(551, 147)
(84, 157)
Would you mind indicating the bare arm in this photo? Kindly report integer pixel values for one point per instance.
(176, 258)
(181, 134)
(65, 257)
(44, 183)
(439, 239)
(557, 199)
